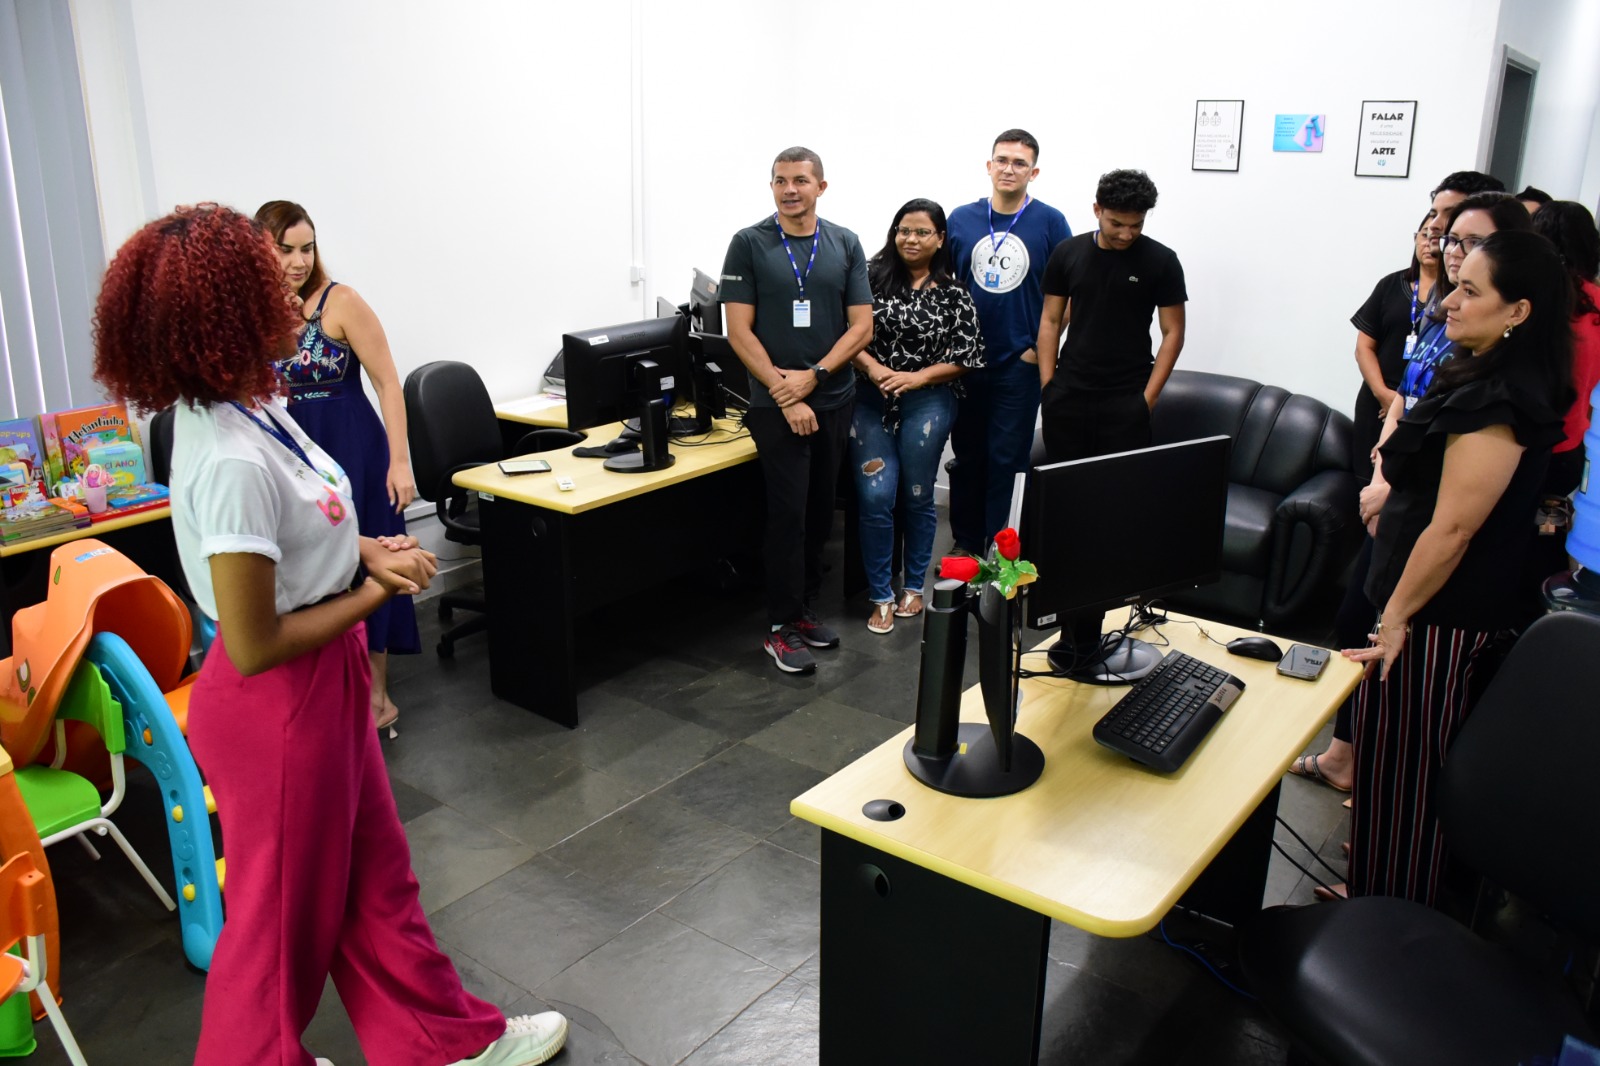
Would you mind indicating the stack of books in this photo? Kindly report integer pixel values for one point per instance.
(40, 519)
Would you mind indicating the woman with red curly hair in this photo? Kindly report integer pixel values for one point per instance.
(341, 336)
(192, 312)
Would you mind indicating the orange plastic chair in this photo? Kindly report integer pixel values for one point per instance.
(27, 911)
(92, 588)
(19, 837)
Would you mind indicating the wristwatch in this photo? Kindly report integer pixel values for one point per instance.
(821, 372)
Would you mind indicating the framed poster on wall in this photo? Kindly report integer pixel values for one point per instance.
(1383, 148)
(1216, 134)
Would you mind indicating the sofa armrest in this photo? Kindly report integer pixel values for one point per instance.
(1316, 530)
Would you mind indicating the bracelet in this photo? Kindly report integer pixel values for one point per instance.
(1406, 629)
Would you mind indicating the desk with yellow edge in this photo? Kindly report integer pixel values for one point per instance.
(551, 556)
(935, 924)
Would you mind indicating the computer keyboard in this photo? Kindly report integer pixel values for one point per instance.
(1169, 711)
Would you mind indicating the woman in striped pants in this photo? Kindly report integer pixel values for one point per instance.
(1464, 468)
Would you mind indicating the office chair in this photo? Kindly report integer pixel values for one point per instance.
(451, 426)
(1376, 980)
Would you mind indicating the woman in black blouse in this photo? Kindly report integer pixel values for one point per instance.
(924, 337)
(1464, 468)
(1387, 326)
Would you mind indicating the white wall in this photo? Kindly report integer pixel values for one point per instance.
(1563, 36)
(470, 172)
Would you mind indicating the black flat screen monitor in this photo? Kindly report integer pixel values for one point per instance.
(1115, 530)
(627, 371)
(703, 304)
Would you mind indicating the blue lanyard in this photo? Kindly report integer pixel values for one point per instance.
(816, 239)
(279, 434)
(1425, 356)
(994, 242)
(1415, 320)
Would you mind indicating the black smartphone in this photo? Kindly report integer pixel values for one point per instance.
(524, 466)
(1304, 661)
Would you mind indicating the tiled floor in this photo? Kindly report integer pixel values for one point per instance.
(642, 872)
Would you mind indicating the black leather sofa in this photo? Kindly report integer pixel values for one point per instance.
(1292, 524)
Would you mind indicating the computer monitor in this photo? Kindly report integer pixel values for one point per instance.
(704, 307)
(665, 308)
(1116, 530)
(624, 371)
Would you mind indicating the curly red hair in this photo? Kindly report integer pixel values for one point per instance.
(192, 308)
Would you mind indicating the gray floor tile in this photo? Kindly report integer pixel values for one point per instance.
(801, 837)
(825, 735)
(765, 903)
(410, 802)
(779, 1029)
(453, 855)
(643, 749)
(744, 787)
(561, 797)
(887, 689)
(1140, 964)
(651, 850)
(661, 988)
(456, 755)
(810, 971)
(739, 702)
(539, 919)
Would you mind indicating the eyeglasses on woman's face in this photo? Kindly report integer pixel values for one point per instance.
(1450, 244)
(908, 232)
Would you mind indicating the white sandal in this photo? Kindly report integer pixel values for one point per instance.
(881, 620)
(904, 609)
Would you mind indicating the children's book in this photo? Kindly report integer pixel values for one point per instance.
(68, 436)
(19, 444)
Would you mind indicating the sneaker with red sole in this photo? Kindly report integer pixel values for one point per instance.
(815, 632)
(788, 649)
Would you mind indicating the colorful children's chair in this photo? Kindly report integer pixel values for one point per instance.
(66, 804)
(27, 913)
(18, 837)
(154, 738)
(92, 588)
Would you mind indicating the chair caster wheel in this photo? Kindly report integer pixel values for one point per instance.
(446, 650)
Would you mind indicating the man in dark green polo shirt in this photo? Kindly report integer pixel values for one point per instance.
(798, 308)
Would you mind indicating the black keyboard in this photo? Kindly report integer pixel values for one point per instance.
(1169, 711)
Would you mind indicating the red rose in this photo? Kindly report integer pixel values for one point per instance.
(960, 567)
(1008, 544)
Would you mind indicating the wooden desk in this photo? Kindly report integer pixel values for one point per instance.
(550, 556)
(949, 906)
(98, 529)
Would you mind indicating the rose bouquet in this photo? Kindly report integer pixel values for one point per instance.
(1003, 568)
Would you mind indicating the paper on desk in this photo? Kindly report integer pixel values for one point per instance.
(530, 404)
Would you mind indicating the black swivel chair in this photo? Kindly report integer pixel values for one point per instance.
(1377, 981)
(451, 426)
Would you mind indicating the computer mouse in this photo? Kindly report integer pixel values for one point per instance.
(1256, 648)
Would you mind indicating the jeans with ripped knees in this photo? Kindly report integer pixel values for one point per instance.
(902, 465)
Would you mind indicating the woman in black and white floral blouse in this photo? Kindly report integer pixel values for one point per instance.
(924, 337)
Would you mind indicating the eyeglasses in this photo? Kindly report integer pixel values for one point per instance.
(1463, 245)
(1018, 165)
(921, 234)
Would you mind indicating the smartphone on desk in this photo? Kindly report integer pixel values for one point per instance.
(1304, 661)
(512, 467)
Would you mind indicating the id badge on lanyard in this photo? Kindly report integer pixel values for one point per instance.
(802, 306)
(802, 314)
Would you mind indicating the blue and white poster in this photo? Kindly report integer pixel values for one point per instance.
(1298, 133)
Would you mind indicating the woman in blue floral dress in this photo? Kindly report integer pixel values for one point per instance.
(341, 335)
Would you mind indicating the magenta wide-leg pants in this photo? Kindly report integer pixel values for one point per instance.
(319, 874)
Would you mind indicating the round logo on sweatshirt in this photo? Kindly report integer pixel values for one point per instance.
(1001, 268)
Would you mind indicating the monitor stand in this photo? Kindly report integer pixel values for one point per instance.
(1084, 655)
(653, 453)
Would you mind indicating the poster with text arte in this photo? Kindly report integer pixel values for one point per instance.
(68, 436)
(1383, 149)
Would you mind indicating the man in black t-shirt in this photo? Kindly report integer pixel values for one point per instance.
(1108, 285)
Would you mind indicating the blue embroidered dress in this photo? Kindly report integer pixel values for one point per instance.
(326, 400)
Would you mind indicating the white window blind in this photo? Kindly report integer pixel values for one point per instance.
(51, 256)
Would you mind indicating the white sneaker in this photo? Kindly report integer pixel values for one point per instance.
(324, 1062)
(529, 1040)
